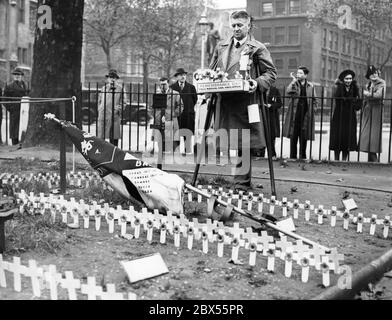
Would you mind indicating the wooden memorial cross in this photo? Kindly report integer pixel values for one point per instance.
(283, 244)
(17, 269)
(317, 254)
(3, 267)
(91, 289)
(111, 293)
(70, 284)
(53, 279)
(35, 274)
(300, 249)
(335, 257)
(265, 241)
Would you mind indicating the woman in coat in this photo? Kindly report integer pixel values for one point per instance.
(371, 134)
(344, 119)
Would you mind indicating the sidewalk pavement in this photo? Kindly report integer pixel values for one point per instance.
(362, 175)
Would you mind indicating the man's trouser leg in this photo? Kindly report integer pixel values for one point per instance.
(293, 143)
(302, 147)
(243, 168)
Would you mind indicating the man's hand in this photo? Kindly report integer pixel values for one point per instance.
(293, 76)
(252, 85)
(366, 93)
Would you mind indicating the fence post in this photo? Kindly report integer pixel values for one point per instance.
(63, 156)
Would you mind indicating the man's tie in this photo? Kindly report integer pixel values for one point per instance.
(182, 86)
(238, 44)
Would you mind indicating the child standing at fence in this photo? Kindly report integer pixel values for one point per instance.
(343, 137)
(371, 133)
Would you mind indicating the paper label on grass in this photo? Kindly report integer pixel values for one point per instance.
(349, 204)
(145, 268)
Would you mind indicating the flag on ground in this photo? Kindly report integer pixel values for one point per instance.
(134, 179)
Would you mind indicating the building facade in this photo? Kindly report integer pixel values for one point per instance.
(17, 24)
(326, 49)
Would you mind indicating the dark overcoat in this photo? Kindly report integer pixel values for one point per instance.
(15, 89)
(275, 100)
(308, 125)
(344, 119)
(232, 108)
(189, 99)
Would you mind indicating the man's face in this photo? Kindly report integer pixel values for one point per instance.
(181, 77)
(240, 28)
(111, 80)
(301, 74)
(163, 85)
(17, 77)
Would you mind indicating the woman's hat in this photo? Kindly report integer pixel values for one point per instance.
(18, 72)
(112, 74)
(345, 73)
(371, 70)
(180, 71)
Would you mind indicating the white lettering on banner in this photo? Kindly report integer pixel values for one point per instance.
(86, 146)
(221, 86)
(87, 135)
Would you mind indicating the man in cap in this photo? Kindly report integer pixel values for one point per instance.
(111, 95)
(189, 98)
(16, 89)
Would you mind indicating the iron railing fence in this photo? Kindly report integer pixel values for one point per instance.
(136, 115)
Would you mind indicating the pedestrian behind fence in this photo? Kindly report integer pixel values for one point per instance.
(300, 123)
(343, 138)
(166, 116)
(189, 98)
(110, 105)
(16, 89)
(371, 133)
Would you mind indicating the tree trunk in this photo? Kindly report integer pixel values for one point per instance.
(56, 69)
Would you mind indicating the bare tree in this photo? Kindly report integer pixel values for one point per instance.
(107, 24)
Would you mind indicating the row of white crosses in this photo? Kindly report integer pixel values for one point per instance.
(250, 202)
(258, 203)
(79, 180)
(48, 278)
(211, 232)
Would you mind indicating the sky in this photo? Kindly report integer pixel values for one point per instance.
(221, 4)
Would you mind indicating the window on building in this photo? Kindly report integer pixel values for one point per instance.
(295, 6)
(330, 69)
(293, 64)
(330, 42)
(267, 9)
(343, 44)
(336, 42)
(280, 7)
(325, 33)
(280, 35)
(335, 68)
(294, 35)
(279, 64)
(323, 67)
(266, 35)
(360, 48)
(22, 11)
(348, 45)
